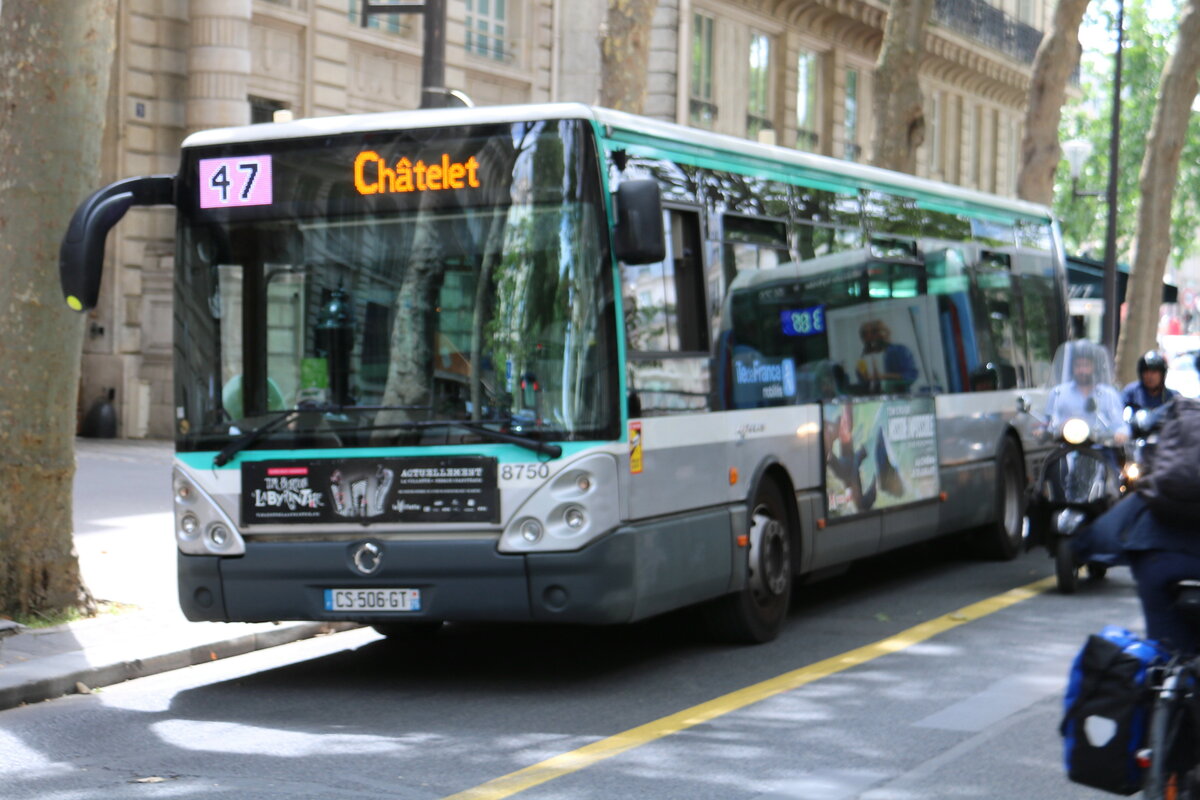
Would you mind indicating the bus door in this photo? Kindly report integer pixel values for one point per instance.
(668, 381)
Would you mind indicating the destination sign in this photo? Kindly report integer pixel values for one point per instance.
(373, 175)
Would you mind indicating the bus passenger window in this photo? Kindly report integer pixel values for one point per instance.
(753, 243)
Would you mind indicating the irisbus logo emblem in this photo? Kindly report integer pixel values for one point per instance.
(367, 557)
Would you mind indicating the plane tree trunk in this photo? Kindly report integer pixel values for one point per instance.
(1057, 56)
(896, 101)
(54, 71)
(625, 54)
(1157, 187)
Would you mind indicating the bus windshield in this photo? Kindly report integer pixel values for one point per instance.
(393, 285)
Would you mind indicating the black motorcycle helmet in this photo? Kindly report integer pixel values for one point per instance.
(1152, 359)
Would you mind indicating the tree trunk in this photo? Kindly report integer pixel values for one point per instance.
(54, 68)
(899, 115)
(1156, 184)
(1056, 59)
(625, 54)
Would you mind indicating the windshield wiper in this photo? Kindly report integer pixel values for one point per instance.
(287, 415)
(528, 442)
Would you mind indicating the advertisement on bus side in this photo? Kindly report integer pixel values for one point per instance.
(879, 454)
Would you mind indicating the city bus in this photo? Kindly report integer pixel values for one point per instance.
(560, 364)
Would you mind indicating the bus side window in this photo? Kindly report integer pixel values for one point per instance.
(753, 243)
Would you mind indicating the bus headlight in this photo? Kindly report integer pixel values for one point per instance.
(575, 507)
(1076, 431)
(202, 528)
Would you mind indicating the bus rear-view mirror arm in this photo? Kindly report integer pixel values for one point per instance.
(81, 256)
(640, 236)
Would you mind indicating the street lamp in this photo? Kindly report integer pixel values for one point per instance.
(1077, 152)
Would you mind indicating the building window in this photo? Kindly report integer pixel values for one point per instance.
(853, 149)
(1014, 155)
(486, 21)
(758, 107)
(702, 111)
(936, 159)
(976, 145)
(262, 109)
(391, 23)
(808, 73)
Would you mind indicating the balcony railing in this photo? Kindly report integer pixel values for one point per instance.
(990, 26)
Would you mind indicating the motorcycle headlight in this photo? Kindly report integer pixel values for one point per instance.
(1076, 431)
(1133, 471)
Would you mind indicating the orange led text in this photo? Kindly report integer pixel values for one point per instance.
(372, 175)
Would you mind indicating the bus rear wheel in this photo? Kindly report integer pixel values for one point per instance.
(756, 613)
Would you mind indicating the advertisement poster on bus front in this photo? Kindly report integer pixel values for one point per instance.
(417, 489)
(879, 454)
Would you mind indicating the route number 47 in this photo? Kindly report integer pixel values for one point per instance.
(244, 181)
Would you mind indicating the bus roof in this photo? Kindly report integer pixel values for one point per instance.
(621, 128)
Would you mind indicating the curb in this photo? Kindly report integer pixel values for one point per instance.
(63, 680)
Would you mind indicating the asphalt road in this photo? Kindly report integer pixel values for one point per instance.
(862, 712)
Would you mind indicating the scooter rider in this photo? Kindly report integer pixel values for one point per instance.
(1085, 395)
(1149, 391)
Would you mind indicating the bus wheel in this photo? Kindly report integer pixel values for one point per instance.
(1001, 538)
(757, 612)
(409, 631)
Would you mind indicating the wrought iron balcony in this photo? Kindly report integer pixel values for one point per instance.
(990, 26)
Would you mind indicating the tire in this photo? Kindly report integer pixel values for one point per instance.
(1096, 572)
(1157, 741)
(1065, 571)
(409, 631)
(756, 613)
(1001, 539)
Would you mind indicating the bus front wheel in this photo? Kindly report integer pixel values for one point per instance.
(756, 613)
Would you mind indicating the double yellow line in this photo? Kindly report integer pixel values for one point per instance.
(586, 756)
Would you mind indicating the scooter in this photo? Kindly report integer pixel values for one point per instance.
(1077, 483)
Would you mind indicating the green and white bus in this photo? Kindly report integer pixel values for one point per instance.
(557, 363)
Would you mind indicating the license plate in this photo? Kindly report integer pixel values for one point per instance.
(372, 599)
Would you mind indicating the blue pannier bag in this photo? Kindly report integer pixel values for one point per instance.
(1107, 708)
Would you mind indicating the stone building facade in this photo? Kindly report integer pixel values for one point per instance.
(794, 72)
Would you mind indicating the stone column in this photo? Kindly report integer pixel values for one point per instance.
(218, 64)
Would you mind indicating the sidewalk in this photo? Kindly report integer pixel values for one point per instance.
(128, 561)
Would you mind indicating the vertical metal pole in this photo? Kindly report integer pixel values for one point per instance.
(1112, 312)
(433, 62)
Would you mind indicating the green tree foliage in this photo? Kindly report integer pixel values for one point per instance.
(1148, 38)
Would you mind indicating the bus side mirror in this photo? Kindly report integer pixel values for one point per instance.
(81, 255)
(640, 236)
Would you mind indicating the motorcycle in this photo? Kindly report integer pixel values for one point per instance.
(1078, 482)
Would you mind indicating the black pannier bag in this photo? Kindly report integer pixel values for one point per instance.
(1107, 708)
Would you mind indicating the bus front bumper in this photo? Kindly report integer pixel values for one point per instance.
(459, 580)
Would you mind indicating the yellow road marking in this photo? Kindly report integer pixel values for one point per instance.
(566, 763)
